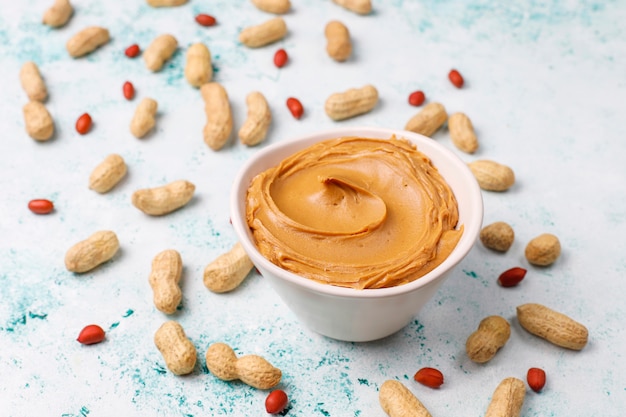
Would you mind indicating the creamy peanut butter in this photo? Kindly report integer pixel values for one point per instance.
(354, 212)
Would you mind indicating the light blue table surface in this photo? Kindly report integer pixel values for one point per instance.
(545, 89)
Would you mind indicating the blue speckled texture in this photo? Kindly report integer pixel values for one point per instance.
(545, 88)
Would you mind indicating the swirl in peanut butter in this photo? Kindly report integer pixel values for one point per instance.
(354, 212)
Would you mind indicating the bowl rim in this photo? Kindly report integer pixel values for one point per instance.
(471, 231)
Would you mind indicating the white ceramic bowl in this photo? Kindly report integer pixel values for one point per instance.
(345, 313)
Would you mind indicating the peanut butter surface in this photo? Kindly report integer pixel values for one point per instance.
(354, 212)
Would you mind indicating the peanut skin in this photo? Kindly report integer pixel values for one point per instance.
(338, 43)
(264, 34)
(58, 14)
(91, 252)
(165, 199)
(198, 70)
(159, 51)
(353, 102)
(107, 174)
(252, 370)
(38, 122)
(555, 327)
(507, 399)
(178, 352)
(428, 120)
(144, 118)
(219, 124)
(254, 130)
(273, 6)
(228, 270)
(167, 269)
(493, 333)
(397, 401)
(32, 83)
(87, 41)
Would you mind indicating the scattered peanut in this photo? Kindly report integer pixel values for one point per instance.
(276, 401)
(491, 175)
(144, 118)
(91, 334)
(128, 89)
(462, 133)
(32, 83)
(37, 120)
(107, 174)
(353, 102)
(91, 252)
(58, 14)
(198, 70)
(219, 123)
(179, 353)
(41, 206)
(165, 199)
(536, 378)
(511, 277)
(132, 51)
(555, 327)
(428, 120)
(273, 6)
(83, 123)
(254, 129)
(166, 3)
(339, 45)
(252, 370)
(430, 377)
(397, 401)
(417, 98)
(160, 50)
(357, 6)
(543, 250)
(295, 107)
(228, 270)
(205, 20)
(167, 269)
(280, 58)
(264, 33)
(497, 236)
(456, 78)
(493, 333)
(507, 399)
(86, 41)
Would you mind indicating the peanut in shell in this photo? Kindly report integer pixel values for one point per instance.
(555, 327)
(491, 175)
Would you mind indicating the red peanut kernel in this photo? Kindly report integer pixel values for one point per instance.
(205, 20)
(536, 378)
(129, 90)
(431, 377)
(280, 58)
(416, 98)
(40, 206)
(295, 107)
(456, 78)
(132, 51)
(276, 401)
(83, 124)
(511, 277)
(91, 334)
